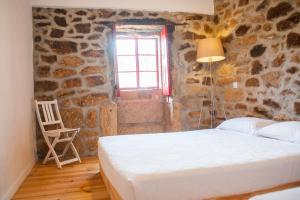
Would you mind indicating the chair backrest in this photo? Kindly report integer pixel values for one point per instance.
(48, 114)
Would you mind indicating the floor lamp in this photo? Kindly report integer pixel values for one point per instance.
(210, 50)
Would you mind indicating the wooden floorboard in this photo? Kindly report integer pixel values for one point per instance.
(73, 182)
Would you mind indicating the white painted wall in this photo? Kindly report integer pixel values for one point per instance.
(192, 6)
(16, 95)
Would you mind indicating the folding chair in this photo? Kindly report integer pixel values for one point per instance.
(48, 116)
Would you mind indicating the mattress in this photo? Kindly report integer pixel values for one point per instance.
(289, 194)
(196, 164)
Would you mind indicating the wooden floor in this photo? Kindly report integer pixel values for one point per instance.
(83, 182)
(73, 182)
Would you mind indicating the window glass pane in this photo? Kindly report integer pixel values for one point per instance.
(127, 80)
(147, 63)
(125, 47)
(147, 46)
(126, 63)
(148, 79)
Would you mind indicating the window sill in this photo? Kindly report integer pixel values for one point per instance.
(135, 94)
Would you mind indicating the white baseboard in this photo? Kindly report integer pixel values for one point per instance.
(15, 186)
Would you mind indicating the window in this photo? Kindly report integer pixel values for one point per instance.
(137, 60)
(142, 60)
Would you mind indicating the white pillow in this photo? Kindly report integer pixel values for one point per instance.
(286, 131)
(297, 136)
(248, 125)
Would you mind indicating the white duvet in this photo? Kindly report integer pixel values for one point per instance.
(196, 165)
(288, 194)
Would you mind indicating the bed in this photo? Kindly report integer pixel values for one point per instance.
(195, 165)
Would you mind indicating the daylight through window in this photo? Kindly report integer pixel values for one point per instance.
(137, 60)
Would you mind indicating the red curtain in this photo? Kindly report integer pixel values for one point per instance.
(165, 63)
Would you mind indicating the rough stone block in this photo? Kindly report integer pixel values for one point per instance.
(71, 61)
(62, 47)
(91, 120)
(281, 9)
(49, 59)
(272, 104)
(62, 73)
(95, 80)
(57, 33)
(93, 53)
(71, 83)
(83, 28)
(234, 94)
(293, 40)
(43, 71)
(92, 70)
(91, 99)
(272, 79)
(144, 111)
(257, 50)
(45, 86)
(60, 21)
(252, 82)
(72, 118)
(242, 30)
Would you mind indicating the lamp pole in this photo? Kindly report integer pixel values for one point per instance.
(212, 95)
(210, 50)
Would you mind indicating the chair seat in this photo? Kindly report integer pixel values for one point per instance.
(57, 132)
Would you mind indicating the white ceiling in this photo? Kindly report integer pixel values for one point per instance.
(191, 6)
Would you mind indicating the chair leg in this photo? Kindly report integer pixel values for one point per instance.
(51, 148)
(75, 152)
(69, 143)
(66, 149)
(73, 147)
(46, 157)
(49, 151)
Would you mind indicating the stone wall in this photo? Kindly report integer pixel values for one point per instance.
(73, 62)
(262, 43)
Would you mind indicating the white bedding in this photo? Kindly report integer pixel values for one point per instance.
(289, 194)
(196, 165)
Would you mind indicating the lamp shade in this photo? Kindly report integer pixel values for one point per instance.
(210, 50)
